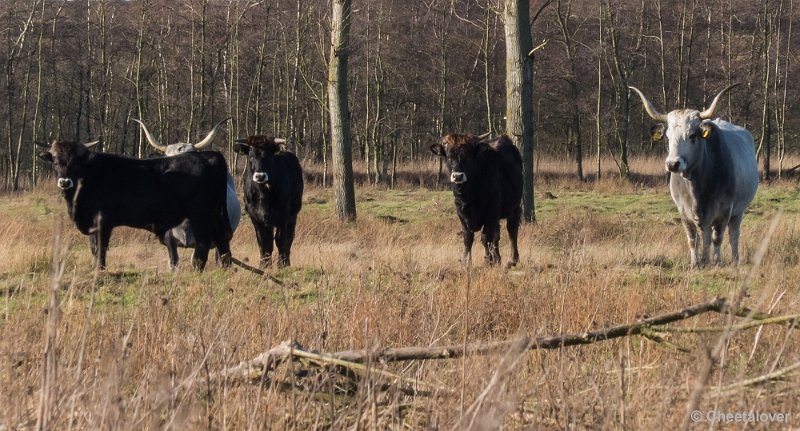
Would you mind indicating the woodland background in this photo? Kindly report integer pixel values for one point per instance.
(80, 70)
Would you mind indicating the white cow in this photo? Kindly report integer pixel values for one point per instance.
(182, 235)
(713, 174)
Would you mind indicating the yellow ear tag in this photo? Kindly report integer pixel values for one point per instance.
(706, 133)
(657, 136)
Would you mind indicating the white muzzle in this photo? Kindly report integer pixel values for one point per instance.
(260, 177)
(458, 178)
(65, 183)
(675, 165)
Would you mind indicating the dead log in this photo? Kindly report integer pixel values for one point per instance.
(553, 342)
(255, 369)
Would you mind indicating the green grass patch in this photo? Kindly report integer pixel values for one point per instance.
(770, 199)
(648, 203)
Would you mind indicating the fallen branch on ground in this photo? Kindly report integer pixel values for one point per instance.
(553, 342)
(254, 370)
(775, 375)
(256, 271)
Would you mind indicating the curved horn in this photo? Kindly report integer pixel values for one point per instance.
(279, 141)
(92, 144)
(649, 107)
(207, 140)
(150, 137)
(485, 135)
(708, 113)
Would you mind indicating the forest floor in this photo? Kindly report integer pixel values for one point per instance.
(135, 346)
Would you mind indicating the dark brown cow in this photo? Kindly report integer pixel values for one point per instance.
(273, 194)
(486, 177)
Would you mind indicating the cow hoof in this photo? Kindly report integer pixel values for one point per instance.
(198, 265)
(225, 260)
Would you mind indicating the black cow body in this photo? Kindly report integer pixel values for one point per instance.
(487, 185)
(183, 235)
(104, 191)
(273, 193)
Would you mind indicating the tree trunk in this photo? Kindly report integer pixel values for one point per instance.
(519, 93)
(343, 190)
(598, 112)
(569, 50)
(764, 141)
(782, 109)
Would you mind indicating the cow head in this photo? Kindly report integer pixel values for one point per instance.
(260, 151)
(460, 153)
(686, 131)
(181, 147)
(67, 159)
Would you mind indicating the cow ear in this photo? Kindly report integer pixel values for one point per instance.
(437, 149)
(46, 156)
(241, 148)
(657, 132)
(706, 130)
(483, 147)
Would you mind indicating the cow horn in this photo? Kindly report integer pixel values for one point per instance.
(708, 113)
(92, 144)
(649, 107)
(279, 141)
(150, 138)
(207, 140)
(41, 144)
(485, 135)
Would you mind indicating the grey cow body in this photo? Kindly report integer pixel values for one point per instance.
(715, 193)
(713, 175)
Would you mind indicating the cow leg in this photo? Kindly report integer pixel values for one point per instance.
(691, 237)
(469, 238)
(223, 253)
(93, 245)
(733, 237)
(512, 226)
(200, 256)
(104, 234)
(706, 232)
(717, 231)
(284, 238)
(264, 236)
(202, 243)
(490, 240)
(172, 249)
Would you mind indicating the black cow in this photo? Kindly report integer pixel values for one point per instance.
(104, 191)
(273, 194)
(487, 184)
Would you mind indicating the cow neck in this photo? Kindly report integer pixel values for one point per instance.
(74, 196)
(466, 194)
(702, 176)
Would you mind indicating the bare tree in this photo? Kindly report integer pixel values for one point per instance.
(563, 18)
(519, 93)
(343, 190)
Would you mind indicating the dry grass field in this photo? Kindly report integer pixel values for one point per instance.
(136, 347)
